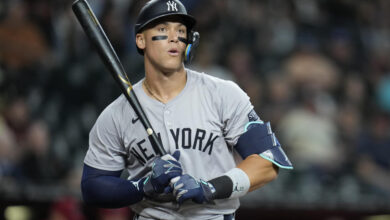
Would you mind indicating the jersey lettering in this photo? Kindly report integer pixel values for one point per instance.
(199, 136)
(210, 143)
(175, 136)
(141, 153)
(186, 135)
(186, 138)
(140, 159)
(144, 150)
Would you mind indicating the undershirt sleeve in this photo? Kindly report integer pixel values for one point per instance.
(106, 189)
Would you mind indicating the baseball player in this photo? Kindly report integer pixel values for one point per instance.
(218, 148)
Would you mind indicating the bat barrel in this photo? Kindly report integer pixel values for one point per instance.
(96, 35)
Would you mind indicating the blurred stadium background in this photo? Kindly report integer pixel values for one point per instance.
(319, 70)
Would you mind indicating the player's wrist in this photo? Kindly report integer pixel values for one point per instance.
(140, 186)
(146, 187)
(208, 190)
(233, 184)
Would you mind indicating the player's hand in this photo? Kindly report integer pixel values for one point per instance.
(187, 187)
(163, 170)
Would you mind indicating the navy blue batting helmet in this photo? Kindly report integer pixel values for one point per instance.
(156, 9)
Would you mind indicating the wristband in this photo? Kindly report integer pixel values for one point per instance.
(233, 184)
(241, 183)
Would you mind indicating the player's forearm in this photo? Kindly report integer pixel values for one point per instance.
(259, 171)
(252, 173)
(106, 190)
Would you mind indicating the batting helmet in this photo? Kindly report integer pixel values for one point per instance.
(156, 9)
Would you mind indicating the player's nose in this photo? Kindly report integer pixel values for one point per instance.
(173, 36)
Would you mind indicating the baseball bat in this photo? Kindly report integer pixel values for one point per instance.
(97, 36)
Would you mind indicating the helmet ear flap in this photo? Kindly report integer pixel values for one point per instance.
(193, 43)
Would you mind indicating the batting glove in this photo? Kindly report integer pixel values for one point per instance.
(187, 187)
(163, 170)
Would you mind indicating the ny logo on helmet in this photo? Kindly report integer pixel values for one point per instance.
(172, 6)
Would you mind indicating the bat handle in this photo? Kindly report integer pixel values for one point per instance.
(154, 140)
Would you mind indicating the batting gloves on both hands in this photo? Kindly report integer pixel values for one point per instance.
(167, 175)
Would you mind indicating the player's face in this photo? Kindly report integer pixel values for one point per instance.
(162, 47)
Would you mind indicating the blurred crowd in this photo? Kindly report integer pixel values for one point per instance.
(319, 70)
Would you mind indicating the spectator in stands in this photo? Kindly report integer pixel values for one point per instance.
(373, 149)
(38, 163)
(311, 137)
(9, 154)
(22, 44)
(17, 116)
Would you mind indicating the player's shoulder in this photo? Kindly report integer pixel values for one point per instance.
(115, 110)
(117, 105)
(211, 82)
(221, 90)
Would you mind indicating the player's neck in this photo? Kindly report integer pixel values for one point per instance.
(164, 86)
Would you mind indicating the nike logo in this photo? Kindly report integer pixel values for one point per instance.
(134, 120)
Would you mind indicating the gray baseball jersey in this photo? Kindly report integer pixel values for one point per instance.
(203, 122)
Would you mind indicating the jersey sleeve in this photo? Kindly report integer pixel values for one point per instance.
(106, 150)
(237, 111)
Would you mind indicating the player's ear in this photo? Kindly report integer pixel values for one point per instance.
(140, 40)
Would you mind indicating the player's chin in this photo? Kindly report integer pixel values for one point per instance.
(172, 65)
